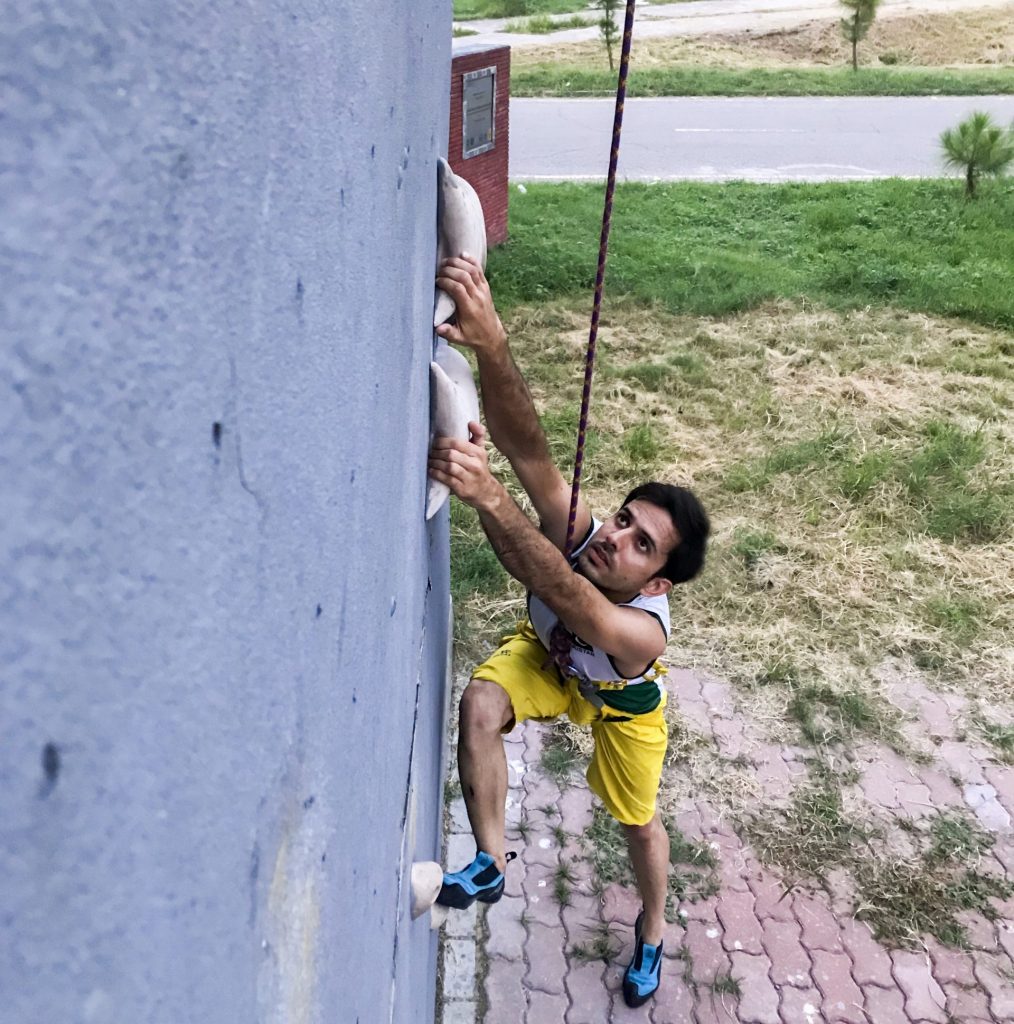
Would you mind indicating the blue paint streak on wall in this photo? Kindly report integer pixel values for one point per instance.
(224, 620)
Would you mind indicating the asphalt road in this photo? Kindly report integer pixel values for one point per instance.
(755, 139)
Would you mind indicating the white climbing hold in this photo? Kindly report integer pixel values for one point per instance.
(426, 880)
(453, 404)
(461, 228)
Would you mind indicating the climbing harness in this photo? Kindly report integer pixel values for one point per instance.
(607, 213)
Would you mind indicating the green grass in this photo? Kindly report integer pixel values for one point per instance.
(469, 10)
(542, 24)
(717, 249)
(564, 80)
(827, 717)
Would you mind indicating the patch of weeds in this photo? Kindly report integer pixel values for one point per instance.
(606, 846)
(829, 446)
(559, 757)
(688, 851)
(651, 376)
(563, 882)
(542, 24)
(523, 828)
(954, 838)
(640, 444)
(813, 835)
(561, 835)
(602, 945)
(752, 545)
(452, 790)
(959, 617)
(903, 900)
(827, 717)
(778, 672)
(858, 478)
(549, 810)
(726, 985)
(1002, 738)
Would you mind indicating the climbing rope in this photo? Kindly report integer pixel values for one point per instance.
(607, 213)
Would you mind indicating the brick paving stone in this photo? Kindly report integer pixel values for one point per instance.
(589, 998)
(576, 809)
(544, 1008)
(683, 684)
(620, 905)
(962, 761)
(949, 966)
(512, 813)
(507, 934)
(547, 963)
(460, 850)
(885, 1005)
(790, 963)
(1000, 990)
(710, 1008)
(718, 697)
(980, 932)
(688, 821)
(708, 959)
(514, 876)
(620, 1013)
(820, 929)
(1001, 778)
(459, 1011)
(924, 998)
(742, 929)
(842, 998)
(461, 923)
(459, 969)
(674, 1002)
(991, 814)
(914, 799)
(534, 736)
(871, 963)
(879, 788)
(541, 791)
(1005, 933)
(538, 893)
(1003, 851)
(774, 778)
(758, 1000)
(968, 1005)
(673, 936)
(541, 848)
(937, 716)
(771, 900)
(941, 788)
(582, 919)
(729, 736)
(701, 909)
(800, 1006)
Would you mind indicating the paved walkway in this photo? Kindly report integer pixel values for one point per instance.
(799, 957)
(704, 17)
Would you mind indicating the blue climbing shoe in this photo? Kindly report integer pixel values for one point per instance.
(482, 880)
(644, 973)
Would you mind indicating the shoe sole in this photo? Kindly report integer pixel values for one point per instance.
(457, 899)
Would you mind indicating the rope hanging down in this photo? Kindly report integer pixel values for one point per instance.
(607, 213)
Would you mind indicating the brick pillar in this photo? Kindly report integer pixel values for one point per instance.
(486, 172)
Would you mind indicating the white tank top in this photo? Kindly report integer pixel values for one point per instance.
(586, 661)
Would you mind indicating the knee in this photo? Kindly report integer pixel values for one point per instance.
(645, 835)
(484, 708)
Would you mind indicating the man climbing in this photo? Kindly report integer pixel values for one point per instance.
(595, 626)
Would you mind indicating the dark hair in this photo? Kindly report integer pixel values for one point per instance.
(685, 560)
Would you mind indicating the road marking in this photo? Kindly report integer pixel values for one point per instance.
(761, 131)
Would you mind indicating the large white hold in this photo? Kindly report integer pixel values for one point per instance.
(454, 403)
(461, 228)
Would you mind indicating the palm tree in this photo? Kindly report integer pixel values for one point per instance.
(857, 23)
(978, 146)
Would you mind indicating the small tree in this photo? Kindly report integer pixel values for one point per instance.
(608, 28)
(857, 23)
(978, 146)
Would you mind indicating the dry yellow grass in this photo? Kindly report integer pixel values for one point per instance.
(978, 37)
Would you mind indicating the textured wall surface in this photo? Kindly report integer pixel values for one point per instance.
(223, 620)
(487, 172)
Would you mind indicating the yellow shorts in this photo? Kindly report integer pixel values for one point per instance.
(627, 763)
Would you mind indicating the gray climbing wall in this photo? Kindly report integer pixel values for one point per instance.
(223, 620)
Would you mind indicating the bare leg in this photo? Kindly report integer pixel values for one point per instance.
(482, 764)
(649, 854)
